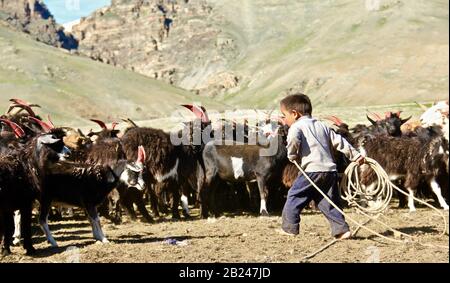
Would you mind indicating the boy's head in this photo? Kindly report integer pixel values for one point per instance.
(295, 106)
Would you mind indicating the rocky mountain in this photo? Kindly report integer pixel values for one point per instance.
(33, 17)
(251, 53)
(74, 89)
(179, 42)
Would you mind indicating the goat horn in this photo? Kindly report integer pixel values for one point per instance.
(198, 111)
(377, 116)
(18, 131)
(333, 119)
(19, 101)
(114, 125)
(50, 121)
(23, 102)
(130, 122)
(338, 120)
(423, 107)
(46, 127)
(100, 123)
(22, 106)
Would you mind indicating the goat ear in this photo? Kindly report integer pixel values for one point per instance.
(47, 139)
(371, 121)
(405, 120)
(141, 154)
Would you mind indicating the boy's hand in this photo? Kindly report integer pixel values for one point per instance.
(361, 160)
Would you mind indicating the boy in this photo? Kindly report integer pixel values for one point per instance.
(309, 142)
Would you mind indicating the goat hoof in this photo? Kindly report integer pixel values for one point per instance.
(264, 213)
(445, 208)
(30, 251)
(16, 242)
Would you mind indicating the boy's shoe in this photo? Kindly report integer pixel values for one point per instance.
(344, 236)
(284, 233)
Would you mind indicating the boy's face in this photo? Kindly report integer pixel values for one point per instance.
(289, 116)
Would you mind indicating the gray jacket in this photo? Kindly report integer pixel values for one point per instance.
(309, 142)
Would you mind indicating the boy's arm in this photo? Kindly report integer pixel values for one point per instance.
(293, 144)
(344, 146)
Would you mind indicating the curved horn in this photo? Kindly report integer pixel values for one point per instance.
(423, 107)
(114, 125)
(46, 127)
(405, 120)
(23, 102)
(130, 122)
(19, 101)
(18, 131)
(23, 107)
(337, 121)
(50, 121)
(377, 116)
(200, 112)
(100, 123)
(371, 121)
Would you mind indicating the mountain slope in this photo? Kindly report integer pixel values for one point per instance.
(251, 53)
(74, 88)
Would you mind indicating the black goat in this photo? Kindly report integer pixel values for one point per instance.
(410, 159)
(18, 187)
(243, 163)
(81, 185)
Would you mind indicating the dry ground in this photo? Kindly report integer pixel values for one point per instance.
(237, 238)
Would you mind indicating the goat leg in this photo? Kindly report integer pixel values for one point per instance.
(25, 228)
(8, 224)
(175, 203)
(95, 222)
(437, 191)
(263, 192)
(43, 221)
(143, 210)
(411, 206)
(17, 224)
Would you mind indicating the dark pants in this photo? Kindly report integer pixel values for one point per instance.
(302, 192)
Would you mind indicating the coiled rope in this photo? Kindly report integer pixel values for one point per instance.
(371, 200)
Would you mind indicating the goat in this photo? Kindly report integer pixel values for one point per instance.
(81, 185)
(107, 150)
(17, 186)
(241, 163)
(410, 159)
(162, 164)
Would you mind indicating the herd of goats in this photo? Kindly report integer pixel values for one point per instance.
(111, 171)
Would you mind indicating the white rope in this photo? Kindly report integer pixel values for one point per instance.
(376, 200)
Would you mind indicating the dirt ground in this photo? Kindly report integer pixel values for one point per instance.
(239, 237)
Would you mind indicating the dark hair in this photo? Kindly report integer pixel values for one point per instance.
(298, 102)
